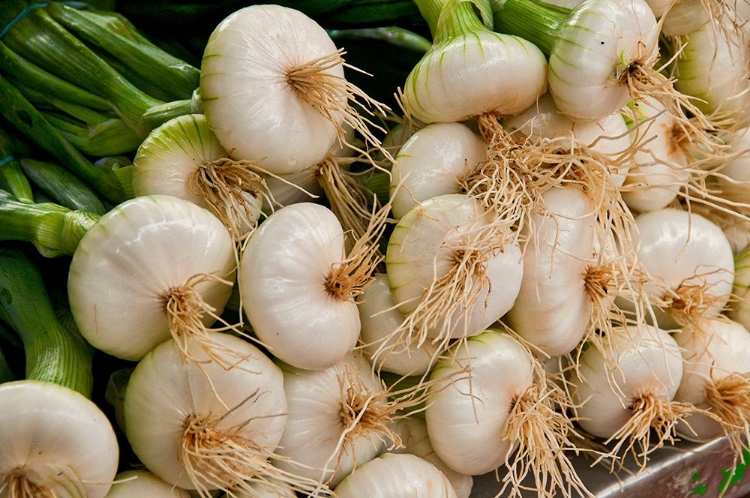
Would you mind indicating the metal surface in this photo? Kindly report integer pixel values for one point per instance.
(680, 471)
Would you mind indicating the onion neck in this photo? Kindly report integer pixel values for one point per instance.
(449, 19)
(532, 20)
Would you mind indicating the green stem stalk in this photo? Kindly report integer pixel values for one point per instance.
(174, 77)
(533, 20)
(64, 187)
(53, 353)
(43, 41)
(53, 229)
(13, 179)
(27, 119)
(449, 18)
(22, 72)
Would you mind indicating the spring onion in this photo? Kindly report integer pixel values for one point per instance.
(601, 53)
(452, 269)
(713, 70)
(273, 89)
(689, 265)
(554, 307)
(433, 161)
(171, 260)
(183, 158)
(56, 441)
(716, 379)
(338, 419)
(624, 401)
(464, 74)
(498, 395)
(201, 425)
(299, 285)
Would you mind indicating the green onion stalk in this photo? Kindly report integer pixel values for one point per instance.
(53, 352)
(91, 132)
(53, 229)
(24, 116)
(23, 73)
(161, 74)
(13, 179)
(37, 37)
(62, 186)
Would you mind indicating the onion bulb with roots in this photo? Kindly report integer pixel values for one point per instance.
(464, 74)
(299, 287)
(183, 158)
(395, 475)
(170, 260)
(491, 405)
(608, 137)
(660, 162)
(712, 67)
(274, 91)
(687, 266)
(55, 442)
(601, 53)
(624, 388)
(716, 378)
(337, 419)
(554, 308)
(452, 269)
(203, 425)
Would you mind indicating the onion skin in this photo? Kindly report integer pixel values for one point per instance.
(396, 475)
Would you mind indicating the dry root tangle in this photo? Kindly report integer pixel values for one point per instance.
(229, 188)
(332, 95)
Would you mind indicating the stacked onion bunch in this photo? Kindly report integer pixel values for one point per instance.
(559, 267)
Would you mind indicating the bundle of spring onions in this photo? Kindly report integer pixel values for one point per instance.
(369, 248)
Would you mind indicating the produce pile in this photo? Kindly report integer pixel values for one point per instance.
(368, 248)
